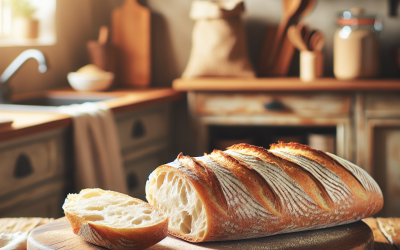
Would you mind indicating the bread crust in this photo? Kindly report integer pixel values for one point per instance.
(299, 197)
(118, 238)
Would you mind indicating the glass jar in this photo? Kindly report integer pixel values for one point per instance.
(356, 46)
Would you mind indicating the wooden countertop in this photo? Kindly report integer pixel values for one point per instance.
(284, 84)
(27, 122)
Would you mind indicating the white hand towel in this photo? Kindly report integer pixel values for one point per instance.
(98, 162)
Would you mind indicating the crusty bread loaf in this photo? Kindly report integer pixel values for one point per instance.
(248, 192)
(114, 220)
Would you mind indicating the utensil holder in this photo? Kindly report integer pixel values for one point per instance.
(311, 65)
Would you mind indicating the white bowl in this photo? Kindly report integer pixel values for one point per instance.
(89, 82)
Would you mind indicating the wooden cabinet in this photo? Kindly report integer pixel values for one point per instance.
(366, 126)
(380, 145)
(145, 142)
(305, 112)
(33, 175)
(139, 169)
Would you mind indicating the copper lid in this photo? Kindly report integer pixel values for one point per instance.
(355, 16)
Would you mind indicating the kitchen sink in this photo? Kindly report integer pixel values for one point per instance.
(61, 100)
(50, 103)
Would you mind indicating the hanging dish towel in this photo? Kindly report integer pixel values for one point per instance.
(98, 162)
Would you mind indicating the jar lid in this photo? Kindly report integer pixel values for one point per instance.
(356, 16)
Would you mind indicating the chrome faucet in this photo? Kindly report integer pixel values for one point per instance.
(5, 91)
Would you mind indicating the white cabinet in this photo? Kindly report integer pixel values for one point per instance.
(138, 171)
(33, 175)
(379, 145)
(145, 143)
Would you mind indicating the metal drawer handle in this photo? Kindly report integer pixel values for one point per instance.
(23, 166)
(138, 130)
(132, 180)
(275, 105)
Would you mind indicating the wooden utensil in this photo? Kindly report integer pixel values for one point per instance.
(286, 51)
(58, 235)
(285, 57)
(317, 41)
(307, 6)
(296, 38)
(290, 9)
(305, 32)
(102, 54)
(131, 36)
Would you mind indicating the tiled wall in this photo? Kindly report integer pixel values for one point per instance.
(79, 20)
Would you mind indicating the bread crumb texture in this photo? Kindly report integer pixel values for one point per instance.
(115, 220)
(303, 189)
(177, 197)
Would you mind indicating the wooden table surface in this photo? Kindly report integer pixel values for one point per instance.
(386, 232)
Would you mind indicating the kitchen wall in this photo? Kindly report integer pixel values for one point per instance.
(79, 20)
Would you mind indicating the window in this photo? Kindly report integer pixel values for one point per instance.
(27, 22)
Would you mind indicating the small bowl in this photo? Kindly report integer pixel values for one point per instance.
(86, 82)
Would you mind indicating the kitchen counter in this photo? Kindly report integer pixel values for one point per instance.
(284, 84)
(27, 123)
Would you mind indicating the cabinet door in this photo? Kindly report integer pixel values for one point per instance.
(43, 201)
(384, 161)
(27, 165)
(141, 128)
(138, 171)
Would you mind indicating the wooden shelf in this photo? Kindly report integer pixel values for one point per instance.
(284, 84)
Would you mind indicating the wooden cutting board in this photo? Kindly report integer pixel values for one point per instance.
(58, 235)
(130, 25)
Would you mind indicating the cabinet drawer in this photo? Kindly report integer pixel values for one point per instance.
(22, 166)
(382, 105)
(44, 201)
(308, 105)
(382, 101)
(143, 127)
(138, 171)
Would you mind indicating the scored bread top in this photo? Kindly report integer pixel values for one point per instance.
(248, 191)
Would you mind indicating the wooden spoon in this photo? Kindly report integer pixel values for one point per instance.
(287, 49)
(317, 41)
(103, 35)
(307, 6)
(291, 7)
(296, 38)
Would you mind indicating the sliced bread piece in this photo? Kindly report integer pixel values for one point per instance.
(114, 220)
